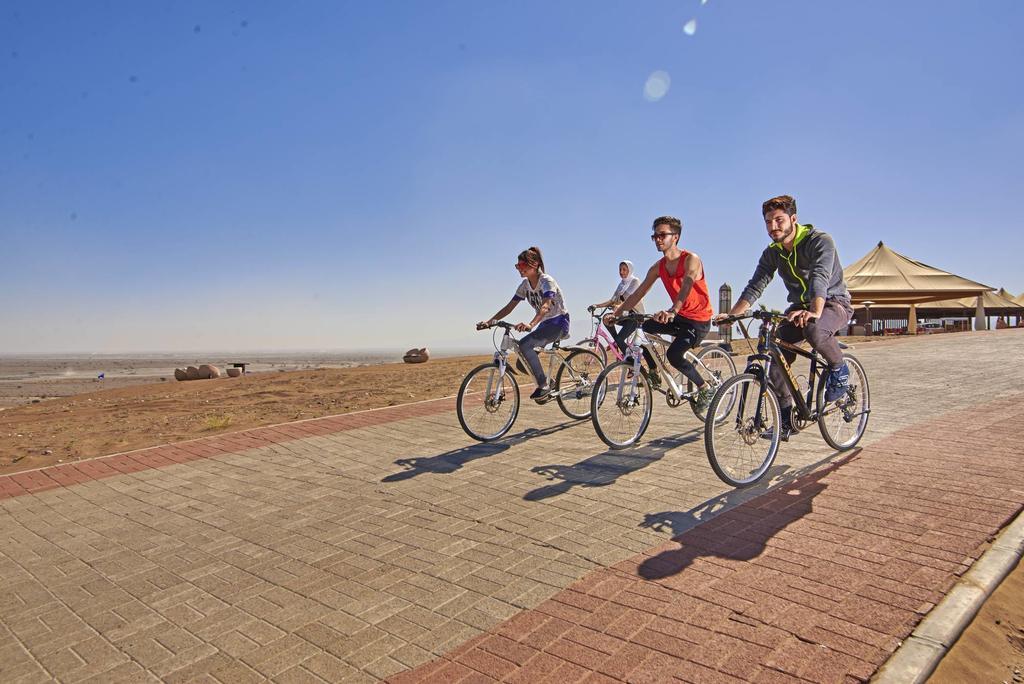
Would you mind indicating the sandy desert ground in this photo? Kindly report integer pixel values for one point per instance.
(132, 412)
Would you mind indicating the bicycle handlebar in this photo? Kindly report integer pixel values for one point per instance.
(638, 317)
(496, 324)
(760, 315)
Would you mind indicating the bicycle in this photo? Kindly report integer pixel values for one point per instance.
(600, 339)
(621, 403)
(488, 401)
(742, 446)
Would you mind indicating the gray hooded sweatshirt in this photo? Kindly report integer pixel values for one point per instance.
(811, 270)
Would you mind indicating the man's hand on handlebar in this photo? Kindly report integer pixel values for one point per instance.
(801, 317)
(523, 327)
(484, 325)
(664, 316)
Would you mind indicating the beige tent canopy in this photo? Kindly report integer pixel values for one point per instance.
(1019, 300)
(1001, 303)
(884, 277)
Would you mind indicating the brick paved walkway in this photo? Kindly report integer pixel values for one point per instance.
(386, 545)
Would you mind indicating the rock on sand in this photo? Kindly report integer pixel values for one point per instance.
(207, 371)
(415, 355)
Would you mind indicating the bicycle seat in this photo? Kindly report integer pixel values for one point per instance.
(557, 343)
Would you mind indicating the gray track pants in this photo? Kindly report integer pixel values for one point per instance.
(821, 334)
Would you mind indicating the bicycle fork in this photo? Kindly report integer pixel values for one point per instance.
(496, 381)
(630, 384)
(759, 424)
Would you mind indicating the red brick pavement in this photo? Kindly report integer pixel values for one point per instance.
(67, 474)
(817, 580)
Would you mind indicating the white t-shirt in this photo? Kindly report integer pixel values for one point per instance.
(547, 288)
(626, 288)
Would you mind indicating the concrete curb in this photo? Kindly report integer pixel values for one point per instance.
(919, 655)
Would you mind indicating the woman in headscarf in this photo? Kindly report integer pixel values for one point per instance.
(626, 286)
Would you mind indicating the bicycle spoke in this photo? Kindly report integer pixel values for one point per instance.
(574, 383)
(736, 442)
(621, 405)
(842, 422)
(487, 404)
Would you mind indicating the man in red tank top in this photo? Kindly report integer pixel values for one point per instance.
(688, 319)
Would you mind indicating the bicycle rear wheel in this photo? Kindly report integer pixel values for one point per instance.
(487, 403)
(742, 430)
(843, 422)
(592, 344)
(620, 405)
(574, 382)
(716, 366)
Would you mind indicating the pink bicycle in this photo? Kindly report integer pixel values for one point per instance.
(600, 340)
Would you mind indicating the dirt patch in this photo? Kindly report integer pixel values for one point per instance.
(991, 649)
(120, 419)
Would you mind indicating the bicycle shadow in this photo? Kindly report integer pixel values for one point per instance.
(741, 531)
(605, 468)
(451, 461)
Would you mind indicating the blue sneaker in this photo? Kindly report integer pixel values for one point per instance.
(837, 383)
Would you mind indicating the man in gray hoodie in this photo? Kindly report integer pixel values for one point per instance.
(807, 261)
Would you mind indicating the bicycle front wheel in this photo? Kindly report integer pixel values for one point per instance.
(742, 440)
(574, 382)
(843, 422)
(488, 402)
(715, 365)
(620, 405)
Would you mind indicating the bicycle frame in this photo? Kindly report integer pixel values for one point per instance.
(657, 346)
(775, 347)
(600, 336)
(510, 344)
(770, 351)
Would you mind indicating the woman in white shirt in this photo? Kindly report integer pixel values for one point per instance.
(626, 287)
(551, 322)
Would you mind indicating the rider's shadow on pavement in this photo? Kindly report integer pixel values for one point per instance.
(605, 468)
(741, 532)
(450, 461)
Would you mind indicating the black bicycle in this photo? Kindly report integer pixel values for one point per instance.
(742, 443)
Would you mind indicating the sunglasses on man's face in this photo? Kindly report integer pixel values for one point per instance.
(660, 236)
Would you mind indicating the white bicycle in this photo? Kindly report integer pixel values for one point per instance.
(621, 402)
(488, 399)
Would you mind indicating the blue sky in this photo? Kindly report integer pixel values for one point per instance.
(336, 175)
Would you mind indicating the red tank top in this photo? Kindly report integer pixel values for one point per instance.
(697, 306)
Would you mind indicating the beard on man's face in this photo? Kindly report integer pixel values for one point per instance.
(781, 234)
